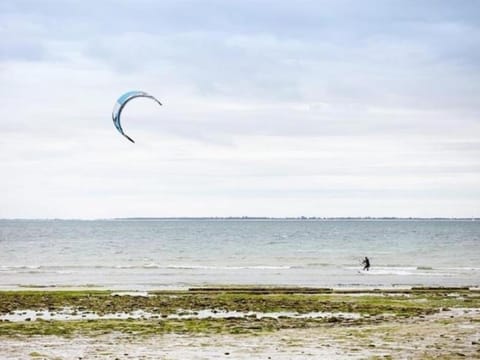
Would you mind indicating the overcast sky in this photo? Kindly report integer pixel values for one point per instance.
(271, 108)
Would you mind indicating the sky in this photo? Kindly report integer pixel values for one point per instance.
(271, 108)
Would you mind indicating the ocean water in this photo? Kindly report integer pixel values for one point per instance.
(177, 254)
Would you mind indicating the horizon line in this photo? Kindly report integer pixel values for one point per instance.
(152, 218)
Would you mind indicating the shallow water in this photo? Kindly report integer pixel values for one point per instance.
(71, 314)
(127, 254)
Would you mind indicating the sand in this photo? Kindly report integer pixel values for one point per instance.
(449, 334)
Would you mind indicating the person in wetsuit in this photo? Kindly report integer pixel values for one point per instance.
(366, 263)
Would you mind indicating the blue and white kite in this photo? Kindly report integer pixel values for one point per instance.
(120, 104)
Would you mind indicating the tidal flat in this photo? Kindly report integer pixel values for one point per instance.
(275, 322)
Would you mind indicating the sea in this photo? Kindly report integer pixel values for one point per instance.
(158, 254)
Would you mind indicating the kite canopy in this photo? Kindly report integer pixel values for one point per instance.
(120, 104)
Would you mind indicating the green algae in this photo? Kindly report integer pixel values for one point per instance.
(36, 354)
(102, 302)
(374, 307)
(147, 327)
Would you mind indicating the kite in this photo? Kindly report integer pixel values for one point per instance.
(120, 104)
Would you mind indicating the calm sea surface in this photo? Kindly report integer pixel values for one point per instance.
(128, 254)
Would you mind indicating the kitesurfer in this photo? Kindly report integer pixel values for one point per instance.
(366, 263)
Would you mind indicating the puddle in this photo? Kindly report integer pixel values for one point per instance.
(131, 293)
(66, 314)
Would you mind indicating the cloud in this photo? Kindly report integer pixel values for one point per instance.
(322, 105)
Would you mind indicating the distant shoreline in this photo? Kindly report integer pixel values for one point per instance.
(259, 218)
(294, 218)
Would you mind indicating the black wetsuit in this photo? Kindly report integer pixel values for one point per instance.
(366, 262)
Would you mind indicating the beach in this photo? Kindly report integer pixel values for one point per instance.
(241, 323)
(211, 179)
(239, 289)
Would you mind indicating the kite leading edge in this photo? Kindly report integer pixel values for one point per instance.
(120, 104)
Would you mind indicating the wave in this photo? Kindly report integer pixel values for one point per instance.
(317, 265)
(375, 269)
(246, 267)
(464, 268)
(199, 267)
(23, 267)
(66, 268)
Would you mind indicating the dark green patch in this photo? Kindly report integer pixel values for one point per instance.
(149, 327)
(372, 307)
